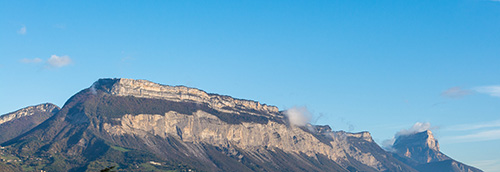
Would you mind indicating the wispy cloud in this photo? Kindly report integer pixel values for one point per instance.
(475, 132)
(475, 126)
(35, 60)
(53, 62)
(58, 61)
(493, 90)
(416, 128)
(455, 92)
(475, 137)
(350, 126)
(22, 31)
(458, 92)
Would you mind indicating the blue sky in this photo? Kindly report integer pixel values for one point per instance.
(380, 66)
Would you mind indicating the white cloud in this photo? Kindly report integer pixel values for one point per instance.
(53, 62)
(490, 90)
(455, 92)
(35, 60)
(22, 31)
(475, 132)
(59, 61)
(416, 128)
(298, 116)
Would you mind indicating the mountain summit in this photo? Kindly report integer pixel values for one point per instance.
(421, 150)
(420, 147)
(138, 125)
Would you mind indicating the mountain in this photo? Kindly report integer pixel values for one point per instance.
(421, 151)
(138, 125)
(16, 123)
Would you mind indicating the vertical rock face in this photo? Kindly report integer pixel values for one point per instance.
(421, 150)
(207, 128)
(18, 122)
(421, 147)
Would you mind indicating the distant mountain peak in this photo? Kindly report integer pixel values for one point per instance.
(421, 151)
(421, 146)
(424, 138)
